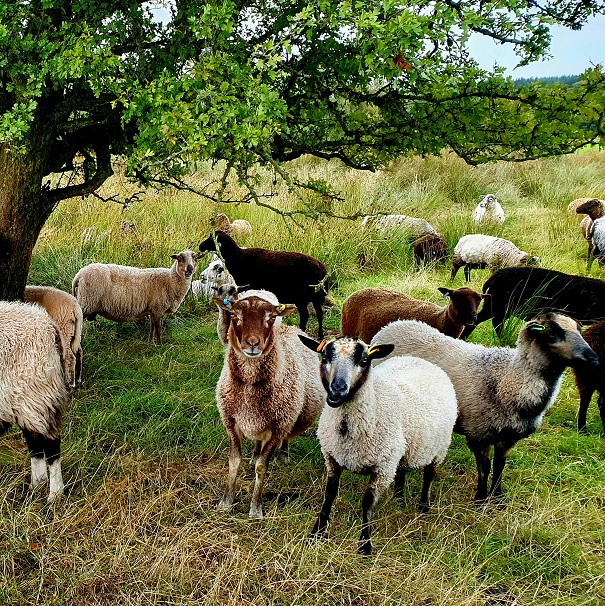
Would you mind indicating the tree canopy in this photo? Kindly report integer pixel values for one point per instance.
(265, 81)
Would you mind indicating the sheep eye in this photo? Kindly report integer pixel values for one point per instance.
(364, 361)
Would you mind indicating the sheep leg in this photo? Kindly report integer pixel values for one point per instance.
(320, 316)
(427, 479)
(585, 397)
(155, 327)
(4, 427)
(79, 365)
(378, 484)
(455, 268)
(284, 451)
(52, 451)
(400, 480)
(260, 468)
(481, 453)
(332, 484)
(467, 272)
(500, 451)
(35, 446)
(256, 450)
(303, 313)
(235, 459)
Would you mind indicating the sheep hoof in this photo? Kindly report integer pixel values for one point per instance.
(224, 505)
(256, 513)
(424, 508)
(365, 548)
(55, 496)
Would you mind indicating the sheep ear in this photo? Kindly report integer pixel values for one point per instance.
(285, 310)
(446, 292)
(175, 257)
(535, 328)
(312, 343)
(376, 351)
(243, 288)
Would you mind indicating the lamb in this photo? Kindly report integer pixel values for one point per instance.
(293, 277)
(588, 380)
(213, 276)
(527, 291)
(488, 210)
(125, 294)
(480, 251)
(67, 315)
(415, 226)
(502, 392)
(366, 311)
(236, 229)
(33, 393)
(430, 247)
(269, 390)
(594, 209)
(384, 420)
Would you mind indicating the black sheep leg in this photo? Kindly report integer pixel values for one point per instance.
(332, 483)
(303, 313)
(585, 397)
(500, 451)
(427, 479)
(481, 452)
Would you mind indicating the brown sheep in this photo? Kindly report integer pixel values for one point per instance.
(366, 311)
(589, 380)
(269, 390)
(430, 247)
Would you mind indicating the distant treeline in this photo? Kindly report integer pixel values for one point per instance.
(569, 80)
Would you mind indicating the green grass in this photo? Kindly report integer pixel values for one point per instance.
(145, 453)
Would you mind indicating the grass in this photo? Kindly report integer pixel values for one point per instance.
(145, 453)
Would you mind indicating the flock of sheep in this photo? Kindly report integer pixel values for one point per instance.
(387, 394)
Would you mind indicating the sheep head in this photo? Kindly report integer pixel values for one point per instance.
(463, 306)
(594, 208)
(251, 328)
(185, 262)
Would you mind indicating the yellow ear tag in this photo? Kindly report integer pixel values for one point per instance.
(281, 308)
(372, 349)
(320, 346)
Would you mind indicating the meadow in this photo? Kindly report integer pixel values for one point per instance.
(145, 453)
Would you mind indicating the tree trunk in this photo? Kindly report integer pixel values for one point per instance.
(23, 211)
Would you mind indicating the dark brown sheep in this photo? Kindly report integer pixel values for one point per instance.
(366, 311)
(430, 247)
(589, 380)
(292, 276)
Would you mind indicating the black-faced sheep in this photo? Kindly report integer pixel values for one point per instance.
(589, 380)
(488, 210)
(480, 251)
(269, 390)
(124, 294)
(384, 420)
(293, 277)
(527, 291)
(33, 393)
(430, 248)
(66, 312)
(502, 392)
(366, 311)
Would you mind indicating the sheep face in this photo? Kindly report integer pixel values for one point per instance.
(488, 201)
(464, 303)
(251, 329)
(227, 293)
(345, 365)
(593, 208)
(559, 337)
(209, 244)
(186, 262)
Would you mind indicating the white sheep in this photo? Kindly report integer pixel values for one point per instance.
(414, 226)
(382, 420)
(488, 210)
(481, 251)
(33, 394)
(502, 392)
(236, 229)
(213, 276)
(124, 294)
(64, 309)
(597, 241)
(269, 390)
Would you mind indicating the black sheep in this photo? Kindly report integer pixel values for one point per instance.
(590, 380)
(293, 277)
(527, 291)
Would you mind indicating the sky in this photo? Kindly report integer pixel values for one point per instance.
(573, 52)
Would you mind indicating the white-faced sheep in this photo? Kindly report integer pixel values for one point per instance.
(594, 209)
(269, 390)
(210, 279)
(384, 420)
(502, 392)
(413, 226)
(366, 311)
(33, 394)
(66, 312)
(293, 277)
(480, 251)
(124, 294)
(488, 210)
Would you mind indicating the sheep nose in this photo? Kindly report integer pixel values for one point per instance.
(252, 342)
(339, 388)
